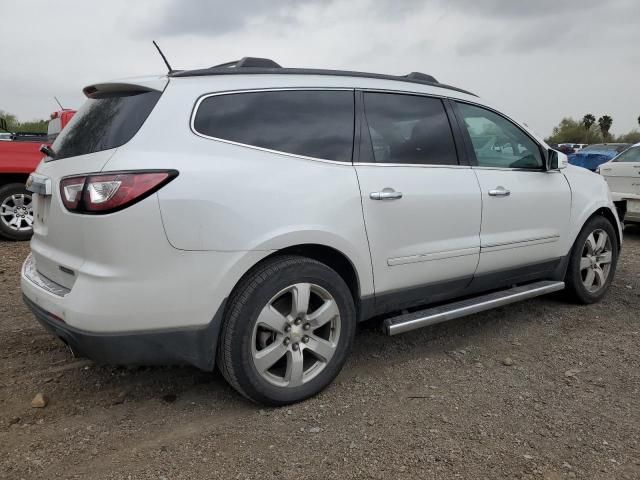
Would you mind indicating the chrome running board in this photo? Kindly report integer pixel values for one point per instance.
(461, 308)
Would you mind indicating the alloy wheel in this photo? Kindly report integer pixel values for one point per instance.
(16, 212)
(296, 335)
(595, 262)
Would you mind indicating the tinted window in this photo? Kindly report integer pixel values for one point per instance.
(630, 155)
(104, 123)
(497, 142)
(315, 124)
(408, 129)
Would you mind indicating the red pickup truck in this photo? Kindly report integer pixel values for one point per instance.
(19, 156)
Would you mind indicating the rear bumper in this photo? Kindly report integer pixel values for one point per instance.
(192, 346)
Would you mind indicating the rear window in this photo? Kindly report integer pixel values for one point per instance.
(317, 124)
(104, 123)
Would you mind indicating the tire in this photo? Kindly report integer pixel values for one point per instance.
(16, 212)
(585, 262)
(309, 356)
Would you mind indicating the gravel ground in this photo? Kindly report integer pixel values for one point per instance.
(541, 389)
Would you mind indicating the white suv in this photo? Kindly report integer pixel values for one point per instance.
(249, 216)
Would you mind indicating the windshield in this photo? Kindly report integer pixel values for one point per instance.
(104, 123)
(605, 147)
(630, 155)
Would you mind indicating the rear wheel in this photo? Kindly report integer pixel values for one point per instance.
(287, 331)
(593, 261)
(16, 212)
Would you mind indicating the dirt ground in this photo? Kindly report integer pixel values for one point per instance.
(442, 402)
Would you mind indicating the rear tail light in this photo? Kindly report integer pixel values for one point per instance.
(110, 192)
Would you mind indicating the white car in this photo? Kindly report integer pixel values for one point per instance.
(249, 216)
(623, 176)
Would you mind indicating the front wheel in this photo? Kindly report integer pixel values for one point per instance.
(16, 212)
(593, 261)
(287, 332)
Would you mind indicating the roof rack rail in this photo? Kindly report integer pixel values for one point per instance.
(258, 66)
(249, 62)
(421, 76)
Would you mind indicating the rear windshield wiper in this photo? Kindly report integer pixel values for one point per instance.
(48, 151)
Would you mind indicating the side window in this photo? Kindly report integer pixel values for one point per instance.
(311, 123)
(408, 129)
(630, 155)
(497, 142)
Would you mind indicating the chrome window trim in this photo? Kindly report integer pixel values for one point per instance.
(262, 149)
(420, 165)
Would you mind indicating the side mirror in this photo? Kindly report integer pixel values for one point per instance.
(556, 160)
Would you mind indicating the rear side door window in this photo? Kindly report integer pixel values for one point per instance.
(497, 142)
(407, 129)
(310, 123)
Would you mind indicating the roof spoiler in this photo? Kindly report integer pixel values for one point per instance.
(126, 87)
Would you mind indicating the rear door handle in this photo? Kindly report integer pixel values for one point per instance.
(386, 194)
(499, 192)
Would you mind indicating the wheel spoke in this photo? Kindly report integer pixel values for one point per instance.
(267, 357)
(584, 263)
(295, 368)
(599, 276)
(5, 212)
(327, 312)
(588, 281)
(591, 244)
(604, 257)
(601, 243)
(321, 348)
(300, 303)
(18, 200)
(272, 319)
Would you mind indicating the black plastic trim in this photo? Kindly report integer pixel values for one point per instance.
(192, 346)
(311, 71)
(461, 288)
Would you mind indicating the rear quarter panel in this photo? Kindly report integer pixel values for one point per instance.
(231, 198)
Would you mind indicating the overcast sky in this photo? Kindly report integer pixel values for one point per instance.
(538, 60)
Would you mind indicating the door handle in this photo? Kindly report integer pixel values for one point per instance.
(500, 191)
(386, 194)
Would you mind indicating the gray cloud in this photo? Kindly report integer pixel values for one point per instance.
(218, 17)
(533, 59)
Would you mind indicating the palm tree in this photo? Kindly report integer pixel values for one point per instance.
(587, 121)
(605, 122)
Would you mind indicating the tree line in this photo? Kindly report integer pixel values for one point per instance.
(33, 126)
(590, 130)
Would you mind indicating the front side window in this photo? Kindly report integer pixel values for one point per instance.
(630, 155)
(408, 129)
(313, 123)
(497, 142)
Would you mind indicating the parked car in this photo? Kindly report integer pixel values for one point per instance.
(594, 155)
(249, 216)
(623, 176)
(19, 156)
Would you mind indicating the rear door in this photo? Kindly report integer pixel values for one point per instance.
(421, 206)
(525, 209)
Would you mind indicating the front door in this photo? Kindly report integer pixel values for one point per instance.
(525, 209)
(421, 208)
